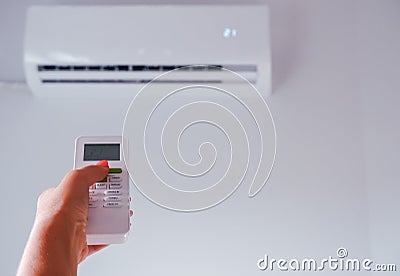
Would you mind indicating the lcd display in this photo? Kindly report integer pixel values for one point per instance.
(97, 152)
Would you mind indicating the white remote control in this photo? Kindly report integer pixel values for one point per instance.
(108, 212)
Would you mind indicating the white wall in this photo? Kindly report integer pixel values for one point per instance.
(335, 183)
(379, 89)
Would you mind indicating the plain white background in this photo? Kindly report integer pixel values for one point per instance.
(335, 182)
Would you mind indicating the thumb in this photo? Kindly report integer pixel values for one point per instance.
(86, 176)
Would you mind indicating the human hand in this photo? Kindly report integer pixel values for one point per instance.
(58, 239)
(69, 200)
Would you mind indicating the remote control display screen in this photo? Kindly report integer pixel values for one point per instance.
(97, 152)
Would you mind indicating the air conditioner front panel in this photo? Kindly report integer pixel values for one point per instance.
(143, 35)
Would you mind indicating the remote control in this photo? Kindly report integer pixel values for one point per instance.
(108, 210)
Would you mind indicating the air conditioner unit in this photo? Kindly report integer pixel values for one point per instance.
(113, 51)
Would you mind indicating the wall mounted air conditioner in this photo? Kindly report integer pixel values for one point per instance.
(114, 50)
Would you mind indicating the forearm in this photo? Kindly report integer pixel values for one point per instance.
(51, 248)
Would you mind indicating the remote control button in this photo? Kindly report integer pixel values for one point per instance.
(115, 170)
(112, 192)
(112, 198)
(104, 179)
(92, 192)
(112, 204)
(115, 178)
(92, 205)
(101, 186)
(115, 185)
(92, 199)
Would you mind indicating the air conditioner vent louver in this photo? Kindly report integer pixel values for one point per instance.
(137, 74)
(193, 81)
(129, 67)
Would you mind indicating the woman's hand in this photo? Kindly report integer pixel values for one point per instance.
(57, 243)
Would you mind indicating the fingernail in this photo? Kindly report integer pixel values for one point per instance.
(103, 163)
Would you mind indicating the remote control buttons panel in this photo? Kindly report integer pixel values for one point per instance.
(108, 192)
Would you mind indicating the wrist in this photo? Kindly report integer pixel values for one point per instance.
(60, 237)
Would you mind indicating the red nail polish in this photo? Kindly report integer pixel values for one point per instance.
(103, 163)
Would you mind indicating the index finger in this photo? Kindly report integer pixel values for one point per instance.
(85, 177)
